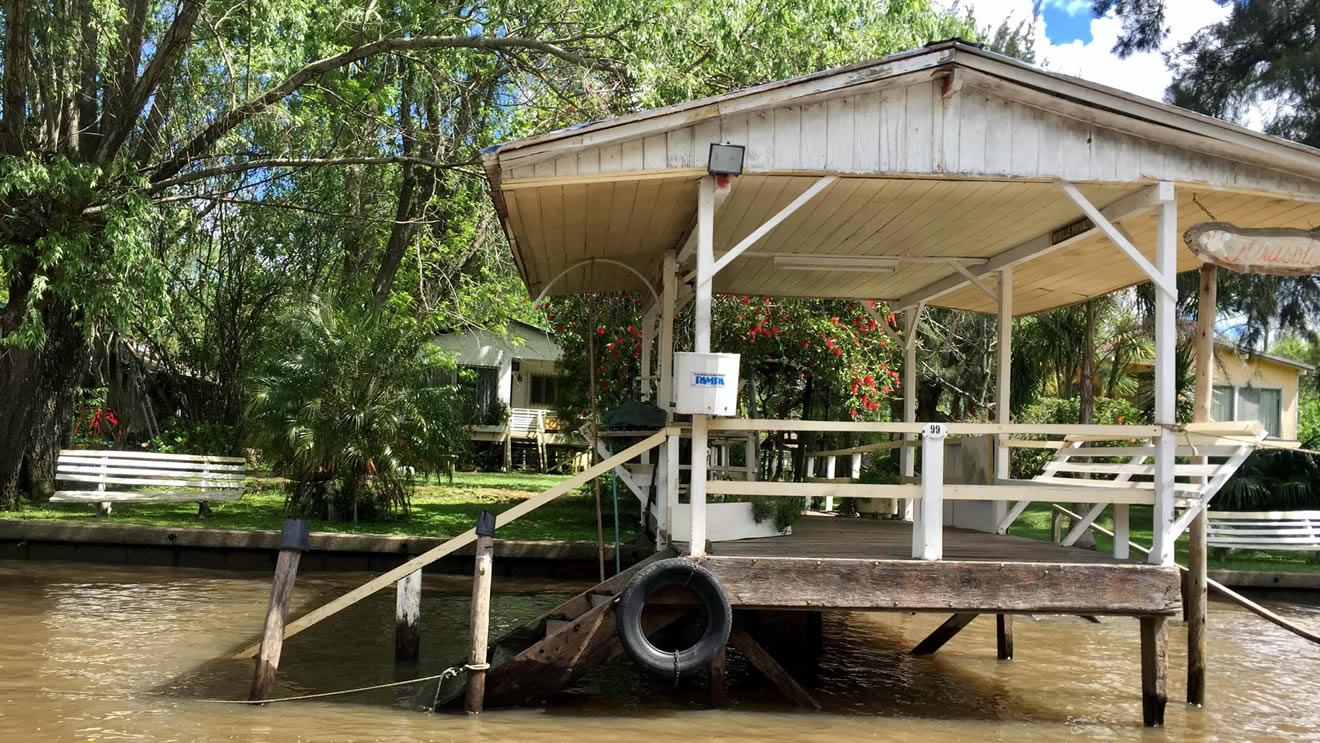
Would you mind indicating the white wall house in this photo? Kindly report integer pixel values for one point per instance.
(516, 368)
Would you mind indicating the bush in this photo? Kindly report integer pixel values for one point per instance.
(352, 401)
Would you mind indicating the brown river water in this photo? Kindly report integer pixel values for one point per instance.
(109, 653)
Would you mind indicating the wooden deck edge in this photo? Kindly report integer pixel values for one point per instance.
(948, 586)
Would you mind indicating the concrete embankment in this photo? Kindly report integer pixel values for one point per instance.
(238, 549)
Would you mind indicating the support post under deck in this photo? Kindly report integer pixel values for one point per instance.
(1166, 263)
(1154, 670)
(1195, 598)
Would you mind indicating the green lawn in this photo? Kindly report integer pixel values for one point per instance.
(438, 510)
(1035, 523)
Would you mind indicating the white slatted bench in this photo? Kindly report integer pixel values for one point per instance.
(1264, 530)
(1075, 467)
(106, 477)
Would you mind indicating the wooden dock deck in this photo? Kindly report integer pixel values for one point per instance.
(865, 564)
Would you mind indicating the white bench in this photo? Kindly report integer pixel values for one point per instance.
(1264, 530)
(104, 477)
(1195, 484)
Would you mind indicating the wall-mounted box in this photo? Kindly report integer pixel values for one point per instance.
(706, 383)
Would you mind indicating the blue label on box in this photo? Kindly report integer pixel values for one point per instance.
(707, 380)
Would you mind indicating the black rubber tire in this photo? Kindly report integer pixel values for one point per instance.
(674, 572)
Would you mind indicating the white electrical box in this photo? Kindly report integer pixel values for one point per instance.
(706, 383)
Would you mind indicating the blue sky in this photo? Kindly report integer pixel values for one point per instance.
(1070, 40)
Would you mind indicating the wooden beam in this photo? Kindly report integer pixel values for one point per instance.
(1125, 208)
(1104, 432)
(1154, 670)
(949, 585)
(567, 655)
(686, 174)
(761, 660)
(943, 633)
(747, 242)
(468, 537)
(1117, 237)
(1004, 636)
(976, 281)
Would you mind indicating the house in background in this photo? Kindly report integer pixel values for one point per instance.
(1250, 385)
(514, 383)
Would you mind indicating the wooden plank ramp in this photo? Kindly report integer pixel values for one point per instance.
(546, 654)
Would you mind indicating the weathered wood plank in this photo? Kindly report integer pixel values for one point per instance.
(559, 660)
(1004, 636)
(943, 633)
(767, 665)
(1154, 670)
(982, 587)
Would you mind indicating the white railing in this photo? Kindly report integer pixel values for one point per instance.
(930, 490)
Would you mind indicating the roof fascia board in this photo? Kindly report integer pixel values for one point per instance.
(738, 102)
(1122, 105)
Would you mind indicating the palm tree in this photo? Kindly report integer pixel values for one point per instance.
(352, 407)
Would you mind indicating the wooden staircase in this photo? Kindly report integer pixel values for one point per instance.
(541, 657)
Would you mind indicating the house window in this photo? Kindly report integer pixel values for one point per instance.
(545, 390)
(1222, 404)
(483, 381)
(1250, 404)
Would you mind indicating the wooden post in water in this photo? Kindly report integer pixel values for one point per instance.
(719, 690)
(1004, 636)
(1154, 670)
(481, 577)
(293, 542)
(1196, 596)
(408, 617)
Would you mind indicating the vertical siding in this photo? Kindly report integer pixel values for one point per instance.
(915, 129)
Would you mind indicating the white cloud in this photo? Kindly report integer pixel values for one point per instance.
(1071, 7)
(1143, 73)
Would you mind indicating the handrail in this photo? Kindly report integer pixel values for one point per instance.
(1220, 588)
(467, 537)
(953, 429)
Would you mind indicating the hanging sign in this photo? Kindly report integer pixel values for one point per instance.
(1283, 251)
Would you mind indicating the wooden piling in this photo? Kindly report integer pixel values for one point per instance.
(408, 617)
(1004, 636)
(1154, 670)
(719, 689)
(770, 668)
(293, 542)
(1195, 595)
(481, 578)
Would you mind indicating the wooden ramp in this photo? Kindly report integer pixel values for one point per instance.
(545, 655)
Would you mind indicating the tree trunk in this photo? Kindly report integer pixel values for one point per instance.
(42, 398)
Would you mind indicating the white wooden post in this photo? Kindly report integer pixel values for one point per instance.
(811, 472)
(1122, 532)
(928, 530)
(752, 457)
(1166, 263)
(701, 335)
(829, 475)
(648, 338)
(667, 458)
(855, 471)
(908, 454)
(1003, 387)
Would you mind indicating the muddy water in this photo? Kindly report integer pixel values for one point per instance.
(92, 653)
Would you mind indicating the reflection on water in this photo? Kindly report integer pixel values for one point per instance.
(102, 653)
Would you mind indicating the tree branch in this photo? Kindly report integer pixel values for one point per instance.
(301, 162)
(227, 121)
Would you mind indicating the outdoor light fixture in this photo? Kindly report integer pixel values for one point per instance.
(725, 159)
(862, 263)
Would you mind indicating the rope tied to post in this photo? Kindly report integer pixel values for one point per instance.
(450, 672)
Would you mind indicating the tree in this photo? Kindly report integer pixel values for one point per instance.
(108, 111)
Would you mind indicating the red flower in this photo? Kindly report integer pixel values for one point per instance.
(834, 320)
(774, 330)
(829, 344)
(838, 352)
(806, 344)
(630, 328)
(852, 412)
(745, 300)
(887, 389)
(600, 330)
(868, 380)
(853, 389)
(610, 346)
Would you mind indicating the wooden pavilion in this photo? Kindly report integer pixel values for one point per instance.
(946, 176)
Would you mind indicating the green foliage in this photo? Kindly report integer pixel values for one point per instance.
(783, 512)
(352, 403)
(1273, 480)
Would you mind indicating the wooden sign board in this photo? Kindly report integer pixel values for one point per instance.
(1283, 251)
